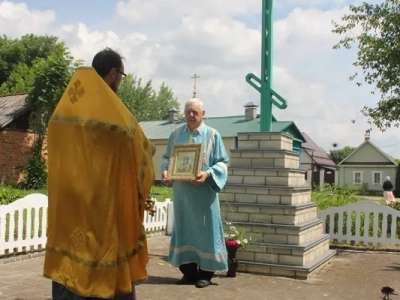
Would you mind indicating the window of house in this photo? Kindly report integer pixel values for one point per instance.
(376, 177)
(357, 177)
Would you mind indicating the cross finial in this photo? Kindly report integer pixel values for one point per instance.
(194, 86)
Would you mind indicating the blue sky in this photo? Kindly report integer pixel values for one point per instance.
(93, 13)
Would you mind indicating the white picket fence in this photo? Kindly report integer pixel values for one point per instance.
(362, 223)
(23, 223)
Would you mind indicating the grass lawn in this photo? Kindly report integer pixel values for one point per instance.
(9, 194)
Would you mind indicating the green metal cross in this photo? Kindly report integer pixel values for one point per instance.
(264, 85)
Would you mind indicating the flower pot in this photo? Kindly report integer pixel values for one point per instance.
(232, 267)
(232, 261)
(231, 252)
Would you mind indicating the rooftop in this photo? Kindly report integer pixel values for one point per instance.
(319, 156)
(11, 107)
(227, 126)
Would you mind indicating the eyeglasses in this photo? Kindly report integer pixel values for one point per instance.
(122, 73)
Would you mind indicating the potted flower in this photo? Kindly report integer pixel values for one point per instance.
(234, 239)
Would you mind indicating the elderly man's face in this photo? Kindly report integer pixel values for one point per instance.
(193, 116)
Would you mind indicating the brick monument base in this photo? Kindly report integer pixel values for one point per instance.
(268, 195)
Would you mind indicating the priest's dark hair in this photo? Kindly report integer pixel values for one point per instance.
(105, 60)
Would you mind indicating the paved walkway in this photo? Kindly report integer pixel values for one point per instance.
(350, 275)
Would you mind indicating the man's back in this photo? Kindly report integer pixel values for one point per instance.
(98, 180)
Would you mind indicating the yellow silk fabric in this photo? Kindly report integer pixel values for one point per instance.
(100, 173)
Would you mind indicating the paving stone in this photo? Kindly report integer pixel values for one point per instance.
(350, 275)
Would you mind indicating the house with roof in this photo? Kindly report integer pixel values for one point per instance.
(320, 167)
(159, 131)
(15, 138)
(367, 167)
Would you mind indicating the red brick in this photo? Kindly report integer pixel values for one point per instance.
(14, 150)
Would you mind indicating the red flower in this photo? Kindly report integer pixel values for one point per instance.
(232, 243)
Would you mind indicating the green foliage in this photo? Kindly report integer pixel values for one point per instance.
(18, 57)
(144, 102)
(51, 78)
(35, 171)
(338, 155)
(397, 182)
(9, 194)
(333, 196)
(43, 67)
(236, 233)
(161, 192)
(375, 29)
(12, 193)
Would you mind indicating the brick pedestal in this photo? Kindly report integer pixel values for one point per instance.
(267, 194)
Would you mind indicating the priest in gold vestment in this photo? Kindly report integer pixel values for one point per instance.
(100, 174)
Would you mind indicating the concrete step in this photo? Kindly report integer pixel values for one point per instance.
(293, 271)
(264, 158)
(271, 176)
(292, 255)
(264, 194)
(264, 140)
(269, 213)
(280, 233)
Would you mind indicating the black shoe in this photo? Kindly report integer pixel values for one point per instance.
(202, 283)
(185, 281)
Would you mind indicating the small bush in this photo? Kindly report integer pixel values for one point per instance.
(9, 194)
(333, 196)
(35, 171)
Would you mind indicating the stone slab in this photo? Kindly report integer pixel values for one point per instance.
(349, 275)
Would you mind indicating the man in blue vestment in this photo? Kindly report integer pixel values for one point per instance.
(198, 243)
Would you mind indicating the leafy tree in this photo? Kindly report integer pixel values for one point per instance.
(375, 29)
(144, 102)
(51, 76)
(338, 155)
(18, 58)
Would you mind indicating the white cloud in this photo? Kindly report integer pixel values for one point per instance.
(17, 19)
(163, 11)
(172, 40)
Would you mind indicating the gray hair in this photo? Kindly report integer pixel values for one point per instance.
(388, 178)
(195, 101)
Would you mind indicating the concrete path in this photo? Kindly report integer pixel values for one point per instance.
(350, 275)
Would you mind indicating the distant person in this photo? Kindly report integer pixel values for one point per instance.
(100, 174)
(388, 191)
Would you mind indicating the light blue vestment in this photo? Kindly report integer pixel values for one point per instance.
(198, 234)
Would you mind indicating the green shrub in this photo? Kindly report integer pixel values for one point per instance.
(333, 196)
(35, 170)
(9, 194)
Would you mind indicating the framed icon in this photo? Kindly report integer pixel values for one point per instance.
(185, 161)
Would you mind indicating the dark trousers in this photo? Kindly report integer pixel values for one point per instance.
(59, 292)
(193, 272)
